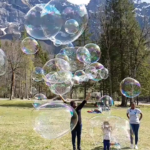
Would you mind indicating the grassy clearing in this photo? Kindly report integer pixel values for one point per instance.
(16, 131)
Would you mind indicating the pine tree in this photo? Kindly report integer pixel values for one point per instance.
(122, 42)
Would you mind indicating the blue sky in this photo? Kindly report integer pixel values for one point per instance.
(146, 1)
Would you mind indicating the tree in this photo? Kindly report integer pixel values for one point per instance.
(122, 43)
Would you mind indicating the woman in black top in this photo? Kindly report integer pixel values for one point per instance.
(78, 129)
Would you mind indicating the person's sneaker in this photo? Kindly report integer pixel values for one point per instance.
(132, 147)
(136, 147)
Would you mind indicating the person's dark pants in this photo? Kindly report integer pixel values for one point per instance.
(106, 144)
(134, 129)
(76, 132)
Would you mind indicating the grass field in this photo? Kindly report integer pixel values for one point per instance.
(16, 129)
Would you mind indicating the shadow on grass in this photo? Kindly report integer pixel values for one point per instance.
(22, 105)
(101, 148)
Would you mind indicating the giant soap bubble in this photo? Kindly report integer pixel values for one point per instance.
(54, 120)
(61, 88)
(29, 46)
(54, 66)
(119, 134)
(41, 19)
(58, 77)
(33, 22)
(3, 62)
(71, 20)
(130, 87)
(95, 52)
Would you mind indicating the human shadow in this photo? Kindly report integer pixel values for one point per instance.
(101, 148)
(22, 105)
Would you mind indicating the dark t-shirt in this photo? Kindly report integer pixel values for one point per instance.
(78, 110)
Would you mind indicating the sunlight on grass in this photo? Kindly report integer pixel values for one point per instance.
(16, 127)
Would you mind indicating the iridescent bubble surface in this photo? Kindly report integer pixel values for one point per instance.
(130, 87)
(71, 52)
(33, 22)
(83, 55)
(39, 99)
(79, 77)
(105, 103)
(3, 63)
(93, 71)
(71, 26)
(54, 120)
(95, 51)
(52, 19)
(62, 56)
(43, 21)
(40, 96)
(120, 137)
(53, 66)
(58, 77)
(104, 73)
(73, 20)
(61, 88)
(37, 74)
(29, 46)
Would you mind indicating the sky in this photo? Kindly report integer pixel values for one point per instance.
(148, 1)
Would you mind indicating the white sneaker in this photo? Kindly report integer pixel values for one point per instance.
(132, 146)
(136, 147)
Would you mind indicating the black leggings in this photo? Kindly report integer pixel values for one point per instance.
(76, 132)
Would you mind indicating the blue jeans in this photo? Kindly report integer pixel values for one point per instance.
(76, 132)
(134, 129)
(106, 144)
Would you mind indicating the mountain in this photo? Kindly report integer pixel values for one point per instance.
(13, 12)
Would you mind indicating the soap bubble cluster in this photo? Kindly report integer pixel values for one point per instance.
(62, 22)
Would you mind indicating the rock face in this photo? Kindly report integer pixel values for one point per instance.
(13, 11)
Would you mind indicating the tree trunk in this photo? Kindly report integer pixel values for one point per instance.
(84, 90)
(71, 92)
(12, 89)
